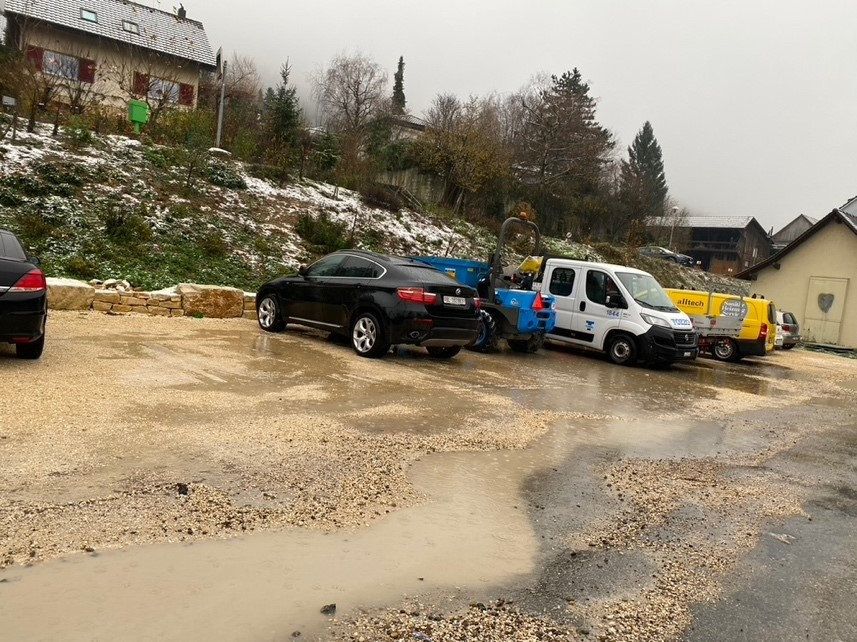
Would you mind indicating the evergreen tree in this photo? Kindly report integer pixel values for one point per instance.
(282, 113)
(643, 184)
(399, 88)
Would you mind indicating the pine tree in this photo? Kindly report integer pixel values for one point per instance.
(643, 184)
(282, 113)
(399, 88)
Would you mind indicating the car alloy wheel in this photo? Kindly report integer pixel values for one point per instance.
(268, 314)
(367, 336)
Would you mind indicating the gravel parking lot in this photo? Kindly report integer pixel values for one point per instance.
(199, 479)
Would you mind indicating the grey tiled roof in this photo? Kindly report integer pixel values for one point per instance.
(736, 222)
(159, 31)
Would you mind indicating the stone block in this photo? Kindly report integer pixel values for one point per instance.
(68, 294)
(101, 306)
(176, 312)
(211, 300)
(157, 310)
(106, 296)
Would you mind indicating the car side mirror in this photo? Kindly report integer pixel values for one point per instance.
(302, 270)
(35, 261)
(615, 301)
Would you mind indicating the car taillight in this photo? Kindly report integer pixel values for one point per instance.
(787, 327)
(417, 295)
(763, 332)
(32, 281)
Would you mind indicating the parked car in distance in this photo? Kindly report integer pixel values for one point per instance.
(658, 252)
(375, 301)
(23, 299)
(788, 329)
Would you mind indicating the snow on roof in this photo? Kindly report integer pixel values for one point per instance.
(118, 20)
(735, 222)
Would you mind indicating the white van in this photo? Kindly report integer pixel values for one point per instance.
(616, 309)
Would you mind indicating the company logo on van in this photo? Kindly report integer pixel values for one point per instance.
(681, 323)
(691, 303)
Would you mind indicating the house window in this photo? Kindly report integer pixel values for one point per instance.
(130, 27)
(163, 91)
(61, 65)
(89, 16)
(57, 64)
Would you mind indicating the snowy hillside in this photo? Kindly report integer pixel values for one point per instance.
(113, 207)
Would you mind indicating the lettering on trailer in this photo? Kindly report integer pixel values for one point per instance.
(691, 303)
(734, 308)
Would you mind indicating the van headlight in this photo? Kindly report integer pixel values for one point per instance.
(648, 318)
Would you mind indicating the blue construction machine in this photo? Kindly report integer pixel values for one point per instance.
(509, 308)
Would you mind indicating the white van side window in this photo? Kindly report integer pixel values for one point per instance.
(598, 286)
(562, 282)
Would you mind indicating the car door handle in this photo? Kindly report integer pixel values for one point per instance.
(582, 306)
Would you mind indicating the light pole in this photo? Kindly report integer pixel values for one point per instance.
(672, 227)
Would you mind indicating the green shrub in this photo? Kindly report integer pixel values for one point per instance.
(33, 226)
(162, 157)
(274, 173)
(81, 268)
(60, 172)
(381, 196)
(321, 234)
(10, 197)
(224, 175)
(213, 244)
(77, 133)
(125, 227)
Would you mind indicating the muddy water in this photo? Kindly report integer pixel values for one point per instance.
(473, 532)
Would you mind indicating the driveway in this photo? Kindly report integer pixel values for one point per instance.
(180, 478)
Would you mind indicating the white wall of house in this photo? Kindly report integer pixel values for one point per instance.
(820, 273)
(115, 63)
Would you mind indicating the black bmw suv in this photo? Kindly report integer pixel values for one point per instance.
(376, 301)
(23, 299)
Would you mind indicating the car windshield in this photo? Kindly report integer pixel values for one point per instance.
(646, 291)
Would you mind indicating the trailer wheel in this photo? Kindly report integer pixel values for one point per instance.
(725, 350)
(531, 344)
(487, 339)
(622, 350)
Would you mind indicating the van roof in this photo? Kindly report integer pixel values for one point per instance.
(611, 266)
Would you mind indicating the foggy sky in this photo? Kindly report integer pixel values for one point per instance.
(754, 102)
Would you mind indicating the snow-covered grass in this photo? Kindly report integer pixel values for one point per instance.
(119, 208)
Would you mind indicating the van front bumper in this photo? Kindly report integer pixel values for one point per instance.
(665, 345)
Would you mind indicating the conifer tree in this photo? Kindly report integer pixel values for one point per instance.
(399, 88)
(282, 113)
(643, 183)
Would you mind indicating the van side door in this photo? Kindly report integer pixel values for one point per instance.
(561, 282)
(593, 319)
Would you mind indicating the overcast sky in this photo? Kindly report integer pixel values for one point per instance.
(754, 102)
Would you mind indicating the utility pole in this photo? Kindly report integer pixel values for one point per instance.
(220, 110)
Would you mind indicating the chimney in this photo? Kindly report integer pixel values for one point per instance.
(182, 13)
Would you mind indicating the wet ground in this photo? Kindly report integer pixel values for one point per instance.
(198, 479)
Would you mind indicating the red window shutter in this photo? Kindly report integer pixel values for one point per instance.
(186, 94)
(141, 84)
(86, 70)
(36, 55)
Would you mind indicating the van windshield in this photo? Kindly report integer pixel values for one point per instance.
(646, 291)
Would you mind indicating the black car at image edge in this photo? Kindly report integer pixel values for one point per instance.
(376, 301)
(23, 299)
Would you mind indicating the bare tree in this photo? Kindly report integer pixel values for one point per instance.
(351, 91)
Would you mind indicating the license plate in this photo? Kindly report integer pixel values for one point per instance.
(687, 354)
(455, 300)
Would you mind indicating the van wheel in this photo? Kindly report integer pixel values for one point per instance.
(487, 339)
(622, 350)
(725, 350)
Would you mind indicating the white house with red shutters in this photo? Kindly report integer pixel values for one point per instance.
(115, 49)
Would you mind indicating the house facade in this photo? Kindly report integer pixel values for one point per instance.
(110, 51)
(723, 244)
(814, 278)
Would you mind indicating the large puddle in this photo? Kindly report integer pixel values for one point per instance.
(474, 532)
